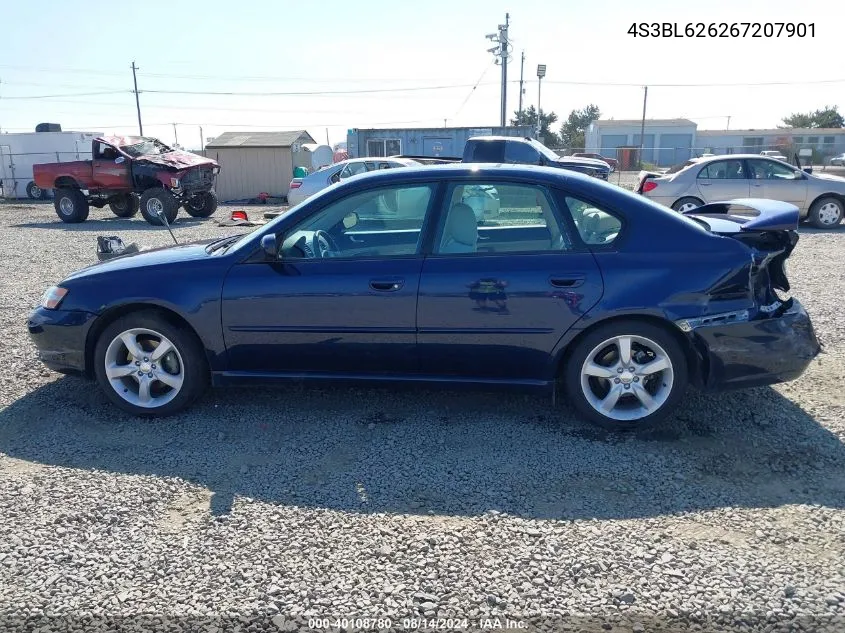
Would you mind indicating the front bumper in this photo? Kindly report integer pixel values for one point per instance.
(755, 353)
(60, 337)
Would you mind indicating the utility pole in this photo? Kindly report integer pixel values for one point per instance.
(728, 126)
(503, 39)
(137, 102)
(541, 72)
(521, 89)
(202, 141)
(175, 136)
(642, 128)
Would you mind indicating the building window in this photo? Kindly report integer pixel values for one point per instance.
(384, 147)
(828, 140)
(813, 140)
(798, 140)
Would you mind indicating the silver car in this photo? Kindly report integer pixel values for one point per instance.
(838, 161)
(302, 188)
(819, 197)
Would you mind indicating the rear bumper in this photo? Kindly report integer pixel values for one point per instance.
(60, 337)
(756, 353)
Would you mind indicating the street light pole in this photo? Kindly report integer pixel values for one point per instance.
(541, 72)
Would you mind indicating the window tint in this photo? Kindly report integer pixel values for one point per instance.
(383, 222)
(485, 151)
(492, 217)
(723, 170)
(595, 226)
(770, 170)
(521, 153)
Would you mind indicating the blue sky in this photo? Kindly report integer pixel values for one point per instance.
(263, 46)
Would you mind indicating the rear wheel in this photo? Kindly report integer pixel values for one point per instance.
(626, 375)
(125, 206)
(71, 205)
(202, 205)
(826, 213)
(687, 204)
(159, 199)
(35, 192)
(147, 366)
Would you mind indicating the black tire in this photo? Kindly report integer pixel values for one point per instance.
(194, 365)
(575, 390)
(126, 205)
(159, 197)
(202, 205)
(684, 201)
(821, 215)
(35, 192)
(71, 205)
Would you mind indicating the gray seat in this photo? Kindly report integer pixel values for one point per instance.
(461, 232)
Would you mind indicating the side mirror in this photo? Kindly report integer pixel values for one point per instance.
(119, 160)
(270, 246)
(350, 220)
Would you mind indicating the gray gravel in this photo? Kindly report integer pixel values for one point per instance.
(260, 508)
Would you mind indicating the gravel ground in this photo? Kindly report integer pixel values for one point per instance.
(260, 508)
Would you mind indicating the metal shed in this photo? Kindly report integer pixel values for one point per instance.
(434, 141)
(256, 162)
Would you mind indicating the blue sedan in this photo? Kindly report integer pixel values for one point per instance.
(571, 284)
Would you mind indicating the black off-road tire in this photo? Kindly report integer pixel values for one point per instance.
(34, 192)
(571, 373)
(71, 205)
(159, 197)
(202, 205)
(194, 363)
(125, 206)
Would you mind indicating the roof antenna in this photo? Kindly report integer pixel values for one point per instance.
(163, 218)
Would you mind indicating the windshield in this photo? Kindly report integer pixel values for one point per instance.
(545, 151)
(146, 147)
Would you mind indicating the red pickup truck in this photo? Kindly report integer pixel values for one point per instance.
(128, 173)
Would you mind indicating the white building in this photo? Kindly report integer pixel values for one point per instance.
(665, 142)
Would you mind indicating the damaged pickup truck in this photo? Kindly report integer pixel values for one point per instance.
(129, 173)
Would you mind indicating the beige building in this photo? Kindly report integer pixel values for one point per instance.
(256, 162)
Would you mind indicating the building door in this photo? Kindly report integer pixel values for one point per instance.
(438, 147)
(609, 143)
(674, 149)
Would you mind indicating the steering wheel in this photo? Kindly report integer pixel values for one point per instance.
(324, 244)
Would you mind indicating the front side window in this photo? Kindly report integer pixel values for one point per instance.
(521, 153)
(353, 169)
(723, 170)
(770, 170)
(490, 217)
(385, 222)
(596, 226)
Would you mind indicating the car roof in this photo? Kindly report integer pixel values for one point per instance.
(499, 138)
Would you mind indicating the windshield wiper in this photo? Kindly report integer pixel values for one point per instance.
(223, 242)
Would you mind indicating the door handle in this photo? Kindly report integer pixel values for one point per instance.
(570, 281)
(387, 285)
(704, 184)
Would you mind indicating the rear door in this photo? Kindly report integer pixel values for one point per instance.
(496, 298)
(776, 181)
(723, 180)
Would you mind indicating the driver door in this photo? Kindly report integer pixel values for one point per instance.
(110, 168)
(341, 304)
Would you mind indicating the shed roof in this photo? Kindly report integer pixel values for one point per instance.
(258, 139)
(648, 122)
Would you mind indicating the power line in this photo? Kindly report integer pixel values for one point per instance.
(71, 94)
(472, 91)
(305, 93)
(703, 85)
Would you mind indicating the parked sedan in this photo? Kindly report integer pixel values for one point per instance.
(838, 161)
(820, 198)
(612, 162)
(389, 277)
(302, 188)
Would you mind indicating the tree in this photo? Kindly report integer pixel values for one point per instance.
(827, 117)
(529, 117)
(573, 130)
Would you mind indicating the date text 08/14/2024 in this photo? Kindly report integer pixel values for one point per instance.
(723, 29)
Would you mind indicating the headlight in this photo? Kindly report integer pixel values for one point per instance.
(53, 297)
(174, 182)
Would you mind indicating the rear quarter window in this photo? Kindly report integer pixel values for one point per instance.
(484, 152)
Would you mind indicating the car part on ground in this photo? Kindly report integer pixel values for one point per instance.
(344, 259)
(126, 166)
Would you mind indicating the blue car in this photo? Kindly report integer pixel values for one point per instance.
(574, 285)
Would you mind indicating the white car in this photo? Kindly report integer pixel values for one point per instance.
(303, 188)
(775, 155)
(839, 160)
(820, 198)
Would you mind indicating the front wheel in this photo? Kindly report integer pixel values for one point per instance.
(71, 205)
(125, 206)
(158, 200)
(687, 204)
(147, 366)
(826, 213)
(202, 205)
(626, 375)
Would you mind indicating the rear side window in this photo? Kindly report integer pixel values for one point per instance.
(521, 153)
(595, 225)
(484, 152)
(723, 170)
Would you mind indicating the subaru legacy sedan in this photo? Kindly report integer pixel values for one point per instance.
(574, 285)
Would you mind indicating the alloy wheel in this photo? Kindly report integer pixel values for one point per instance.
(627, 377)
(830, 213)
